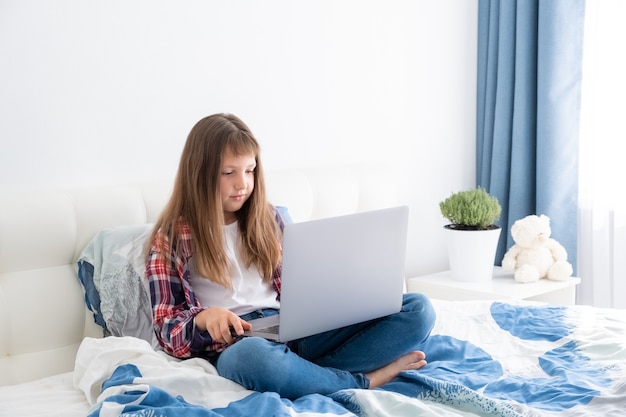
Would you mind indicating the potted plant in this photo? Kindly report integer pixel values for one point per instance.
(472, 234)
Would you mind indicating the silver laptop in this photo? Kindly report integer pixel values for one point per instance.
(339, 271)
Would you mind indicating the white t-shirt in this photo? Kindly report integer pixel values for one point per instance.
(249, 292)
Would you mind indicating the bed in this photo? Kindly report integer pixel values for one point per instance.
(73, 320)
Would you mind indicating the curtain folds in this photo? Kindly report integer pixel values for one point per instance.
(528, 104)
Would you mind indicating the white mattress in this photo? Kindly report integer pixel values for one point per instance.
(49, 397)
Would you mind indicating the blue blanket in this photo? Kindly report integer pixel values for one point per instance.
(484, 359)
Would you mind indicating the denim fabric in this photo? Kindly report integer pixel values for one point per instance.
(266, 312)
(330, 361)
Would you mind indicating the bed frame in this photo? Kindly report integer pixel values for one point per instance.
(43, 317)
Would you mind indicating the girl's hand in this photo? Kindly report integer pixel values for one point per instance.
(219, 322)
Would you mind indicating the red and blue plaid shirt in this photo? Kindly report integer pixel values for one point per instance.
(174, 304)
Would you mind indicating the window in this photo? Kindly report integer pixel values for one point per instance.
(602, 225)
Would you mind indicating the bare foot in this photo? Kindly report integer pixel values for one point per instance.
(412, 360)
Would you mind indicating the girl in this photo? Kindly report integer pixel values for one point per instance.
(214, 262)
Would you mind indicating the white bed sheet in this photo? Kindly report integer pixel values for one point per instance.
(53, 396)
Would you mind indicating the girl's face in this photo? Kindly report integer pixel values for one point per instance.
(236, 182)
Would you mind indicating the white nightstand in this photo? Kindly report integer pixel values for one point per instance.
(501, 287)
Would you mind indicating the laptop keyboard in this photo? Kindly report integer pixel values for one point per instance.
(271, 329)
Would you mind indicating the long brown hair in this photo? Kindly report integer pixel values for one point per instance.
(196, 200)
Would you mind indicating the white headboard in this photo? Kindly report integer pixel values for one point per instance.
(43, 317)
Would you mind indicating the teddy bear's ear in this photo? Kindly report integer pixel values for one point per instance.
(545, 218)
(515, 227)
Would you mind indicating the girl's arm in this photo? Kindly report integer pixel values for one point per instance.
(174, 306)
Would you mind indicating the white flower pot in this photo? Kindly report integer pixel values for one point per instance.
(471, 253)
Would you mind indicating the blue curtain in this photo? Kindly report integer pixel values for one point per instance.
(528, 103)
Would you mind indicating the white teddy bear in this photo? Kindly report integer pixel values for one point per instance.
(535, 255)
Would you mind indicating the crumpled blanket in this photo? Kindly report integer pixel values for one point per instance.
(484, 359)
(124, 377)
(111, 269)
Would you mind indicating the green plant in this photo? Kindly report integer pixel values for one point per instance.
(473, 209)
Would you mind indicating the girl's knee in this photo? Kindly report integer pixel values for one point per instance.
(247, 350)
(422, 310)
(250, 361)
(417, 302)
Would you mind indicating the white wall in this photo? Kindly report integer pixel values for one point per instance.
(105, 91)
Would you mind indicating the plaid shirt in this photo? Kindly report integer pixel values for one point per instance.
(174, 303)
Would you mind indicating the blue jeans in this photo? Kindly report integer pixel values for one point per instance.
(329, 361)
